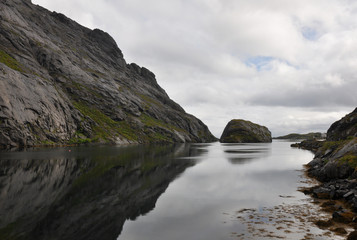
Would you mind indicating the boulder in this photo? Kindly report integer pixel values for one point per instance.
(242, 131)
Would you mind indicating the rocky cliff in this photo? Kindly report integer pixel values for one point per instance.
(241, 131)
(63, 83)
(344, 128)
(335, 164)
(337, 156)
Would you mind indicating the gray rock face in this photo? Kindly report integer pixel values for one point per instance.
(63, 83)
(335, 160)
(337, 157)
(241, 131)
(344, 128)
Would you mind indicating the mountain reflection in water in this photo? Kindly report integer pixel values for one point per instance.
(84, 192)
(245, 153)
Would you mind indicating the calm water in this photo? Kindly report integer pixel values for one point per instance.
(197, 191)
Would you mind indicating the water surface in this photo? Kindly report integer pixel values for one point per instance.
(231, 193)
(188, 191)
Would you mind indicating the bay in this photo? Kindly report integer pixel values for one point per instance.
(184, 191)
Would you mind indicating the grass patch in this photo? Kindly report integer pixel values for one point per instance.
(350, 159)
(153, 122)
(10, 61)
(149, 100)
(81, 87)
(106, 127)
(157, 135)
(47, 142)
(333, 145)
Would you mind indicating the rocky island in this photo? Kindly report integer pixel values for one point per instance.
(63, 83)
(242, 131)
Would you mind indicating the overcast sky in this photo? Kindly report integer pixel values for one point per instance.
(288, 65)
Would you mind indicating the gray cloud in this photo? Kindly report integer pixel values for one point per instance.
(289, 65)
(324, 96)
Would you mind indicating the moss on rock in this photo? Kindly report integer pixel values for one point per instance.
(10, 61)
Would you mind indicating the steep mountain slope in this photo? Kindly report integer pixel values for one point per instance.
(63, 83)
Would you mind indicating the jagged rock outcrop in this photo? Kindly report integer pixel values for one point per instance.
(337, 156)
(344, 128)
(335, 162)
(63, 83)
(241, 131)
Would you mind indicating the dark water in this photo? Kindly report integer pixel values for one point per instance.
(147, 192)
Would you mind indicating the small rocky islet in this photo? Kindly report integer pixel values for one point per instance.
(242, 131)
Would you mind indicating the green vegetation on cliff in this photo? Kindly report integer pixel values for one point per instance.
(10, 61)
(105, 127)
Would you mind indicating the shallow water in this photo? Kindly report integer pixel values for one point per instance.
(235, 191)
(197, 191)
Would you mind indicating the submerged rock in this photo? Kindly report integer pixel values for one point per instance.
(242, 131)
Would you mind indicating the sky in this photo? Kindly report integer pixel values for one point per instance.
(288, 65)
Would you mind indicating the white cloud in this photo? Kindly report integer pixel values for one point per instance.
(289, 65)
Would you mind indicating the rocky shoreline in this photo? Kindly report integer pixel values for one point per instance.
(335, 167)
(337, 198)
